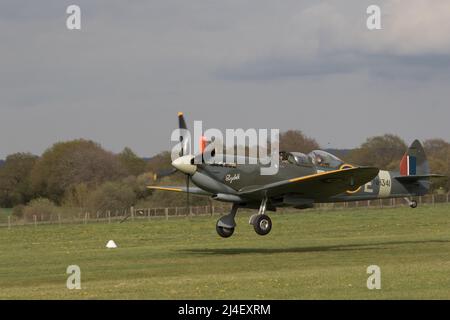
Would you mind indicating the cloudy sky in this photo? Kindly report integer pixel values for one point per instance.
(290, 64)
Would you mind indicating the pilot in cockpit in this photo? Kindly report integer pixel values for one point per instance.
(324, 159)
(319, 160)
(283, 157)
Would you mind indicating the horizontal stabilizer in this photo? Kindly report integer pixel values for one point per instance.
(426, 177)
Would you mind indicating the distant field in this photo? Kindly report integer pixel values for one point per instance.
(308, 255)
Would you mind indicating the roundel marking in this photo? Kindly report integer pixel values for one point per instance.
(349, 166)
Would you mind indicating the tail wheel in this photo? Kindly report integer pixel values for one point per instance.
(262, 224)
(413, 204)
(224, 232)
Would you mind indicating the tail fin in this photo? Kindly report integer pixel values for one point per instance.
(414, 167)
(414, 162)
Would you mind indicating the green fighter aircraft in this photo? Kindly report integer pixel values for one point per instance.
(301, 180)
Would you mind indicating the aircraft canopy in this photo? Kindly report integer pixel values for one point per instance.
(324, 159)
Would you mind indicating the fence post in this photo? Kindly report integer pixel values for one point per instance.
(9, 222)
(35, 219)
(432, 199)
(132, 213)
(109, 216)
(166, 211)
(59, 219)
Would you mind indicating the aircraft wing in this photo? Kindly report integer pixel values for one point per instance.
(315, 186)
(193, 190)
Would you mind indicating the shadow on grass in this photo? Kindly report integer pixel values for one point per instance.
(342, 247)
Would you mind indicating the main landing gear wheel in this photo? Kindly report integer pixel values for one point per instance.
(224, 232)
(262, 224)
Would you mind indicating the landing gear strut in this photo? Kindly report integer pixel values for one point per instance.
(260, 221)
(411, 203)
(226, 224)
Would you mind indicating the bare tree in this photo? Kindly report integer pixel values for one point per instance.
(381, 151)
(295, 140)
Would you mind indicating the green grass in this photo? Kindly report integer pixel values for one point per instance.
(4, 213)
(308, 255)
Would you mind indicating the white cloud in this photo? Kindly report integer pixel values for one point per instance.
(417, 27)
(328, 37)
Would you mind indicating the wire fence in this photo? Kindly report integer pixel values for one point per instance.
(208, 210)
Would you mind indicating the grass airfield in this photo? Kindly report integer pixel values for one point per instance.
(309, 254)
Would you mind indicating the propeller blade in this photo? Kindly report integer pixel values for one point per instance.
(187, 195)
(181, 121)
(164, 173)
(183, 137)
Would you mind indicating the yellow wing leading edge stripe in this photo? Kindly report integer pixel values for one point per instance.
(316, 175)
(166, 189)
(343, 167)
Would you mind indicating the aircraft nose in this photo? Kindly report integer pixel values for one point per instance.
(184, 164)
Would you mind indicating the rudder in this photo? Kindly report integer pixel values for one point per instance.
(414, 162)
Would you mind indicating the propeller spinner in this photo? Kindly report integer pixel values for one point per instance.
(185, 164)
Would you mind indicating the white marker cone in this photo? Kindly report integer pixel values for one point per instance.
(111, 244)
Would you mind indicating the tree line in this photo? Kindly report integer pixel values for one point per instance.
(81, 175)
